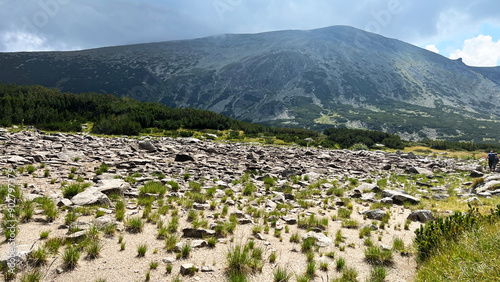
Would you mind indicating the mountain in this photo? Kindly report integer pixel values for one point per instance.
(334, 76)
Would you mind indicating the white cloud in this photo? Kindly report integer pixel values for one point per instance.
(22, 41)
(480, 51)
(432, 48)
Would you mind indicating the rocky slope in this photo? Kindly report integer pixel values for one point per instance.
(304, 191)
(332, 76)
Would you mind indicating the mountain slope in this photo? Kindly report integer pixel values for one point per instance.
(332, 76)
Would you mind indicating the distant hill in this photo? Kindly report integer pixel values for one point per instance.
(338, 76)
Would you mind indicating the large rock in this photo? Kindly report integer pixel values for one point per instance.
(188, 269)
(91, 196)
(375, 214)
(290, 219)
(147, 146)
(109, 186)
(369, 187)
(18, 159)
(420, 170)
(488, 185)
(399, 197)
(17, 258)
(321, 239)
(183, 158)
(421, 216)
(197, 233)
(104, 221)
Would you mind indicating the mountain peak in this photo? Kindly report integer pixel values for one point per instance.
(331, 76)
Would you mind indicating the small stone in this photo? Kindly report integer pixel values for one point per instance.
(168, 260)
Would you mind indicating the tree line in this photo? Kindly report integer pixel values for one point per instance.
(50, 109)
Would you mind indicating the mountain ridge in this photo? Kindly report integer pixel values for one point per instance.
(333, 76)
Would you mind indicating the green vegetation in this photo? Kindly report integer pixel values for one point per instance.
(459, 247)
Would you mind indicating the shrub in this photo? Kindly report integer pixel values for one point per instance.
(430, 237)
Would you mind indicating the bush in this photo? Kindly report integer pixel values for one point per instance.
(430, 236)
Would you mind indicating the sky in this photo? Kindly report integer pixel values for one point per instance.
(467, 29)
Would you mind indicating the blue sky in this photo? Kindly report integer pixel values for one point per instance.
(453, 28)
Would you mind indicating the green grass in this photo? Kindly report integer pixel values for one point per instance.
(53, 244)
(377, 274)
(307, 244)
(153, 265)
(34, 275)
(73, 189)
(240, 262)
(473, 257)
(134, 225)
(39, 256)
(44, 234)
(102, 169)
(378, 256)
(170, 242)
(185, 250)
(153, 187)
(93, 249)
(49, 208)
(70, 256)
(70, 217)
(120, 210)
(141, 250)
(281, 274)
(344, 213)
